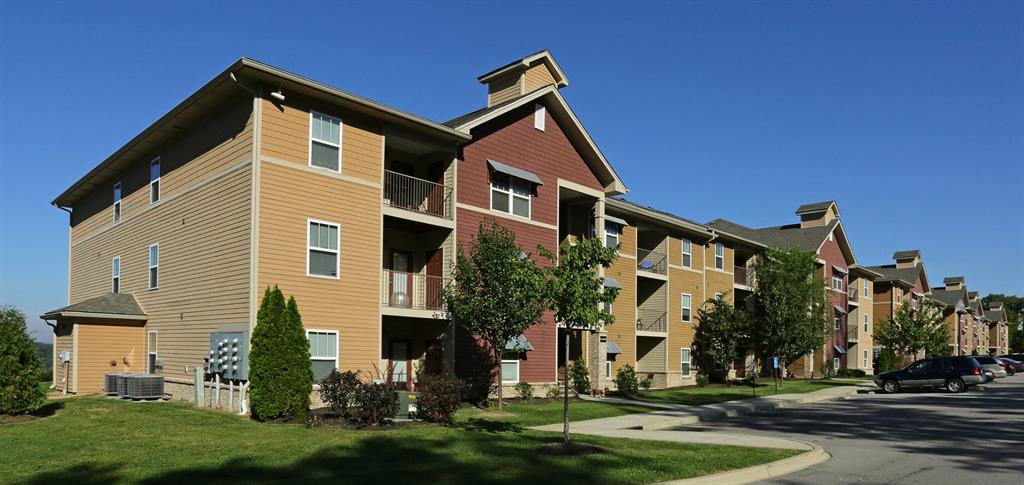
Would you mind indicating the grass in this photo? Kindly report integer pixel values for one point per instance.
(537, 414)
(100, 440)
(696, 396)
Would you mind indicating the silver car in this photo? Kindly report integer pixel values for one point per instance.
(991, 364)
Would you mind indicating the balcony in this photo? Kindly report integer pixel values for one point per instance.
(658, 324)
(653, 262)
(853, 296)
(742, 276)
(853, 333)
(417, 196)
(412, 291)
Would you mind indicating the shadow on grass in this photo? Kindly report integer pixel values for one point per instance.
(48, 409)
(490, 426)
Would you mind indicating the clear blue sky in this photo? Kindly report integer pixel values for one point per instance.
(910, 114)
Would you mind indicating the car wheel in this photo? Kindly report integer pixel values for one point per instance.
(891, 387)
(955, 385)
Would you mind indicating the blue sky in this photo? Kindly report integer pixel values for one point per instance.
(907, 113)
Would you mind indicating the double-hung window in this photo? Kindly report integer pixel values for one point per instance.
(510, 195)
(322, 258)
(835, 363)
(866, 317)
(151, 352)
(837, 280)
(719, 256)
(684, 360)
(687, 253)
(510, 368)
(323, 352)
(154, 181)
(117, 202)
(686, 312)
(324, 141)
(837, 321)
(154, 266)
(612, 232)
(865, 359)
(115, 274)
(866, 291)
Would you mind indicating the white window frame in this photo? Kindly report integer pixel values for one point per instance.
(688, 362)
(837, 321)
(866, 290)
(835, 363)
(866, 320)
(687, 246)
(613, 229)
(341, 139)
(115, 276)
(151, 266)
(511, 195)
(504, 378)
(152, 338)
(719, 258)
(607, 368)
(539, 117)
(683, 317)
(837, 280)
(117, 201)
(865, 359)
(337, 350)
(337, 252)
(154, 184)
(719, 295)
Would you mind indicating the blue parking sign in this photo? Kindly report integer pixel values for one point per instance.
(775, 362)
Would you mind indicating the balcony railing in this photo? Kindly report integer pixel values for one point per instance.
(412, 290)
(418, 195)
(651, 261)
(741, 275)
(852, 295)
(852, 333)
(658, 324)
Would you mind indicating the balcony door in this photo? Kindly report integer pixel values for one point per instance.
(401, 279)
(401, 364)
(435, 278)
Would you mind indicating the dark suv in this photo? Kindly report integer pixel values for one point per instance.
(955, 374)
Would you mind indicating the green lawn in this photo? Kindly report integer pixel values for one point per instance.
(696, 396)
(99, 440)
(536, 414)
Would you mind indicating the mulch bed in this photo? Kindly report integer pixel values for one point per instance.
(326, 417)
(9, 419)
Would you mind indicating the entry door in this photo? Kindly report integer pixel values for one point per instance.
(401, 281)
(400, 363)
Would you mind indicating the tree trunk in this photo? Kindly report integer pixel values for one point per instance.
(565, 401)
(501, 378)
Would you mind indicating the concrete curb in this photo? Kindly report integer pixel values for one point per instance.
(761, 472)
(715, 412)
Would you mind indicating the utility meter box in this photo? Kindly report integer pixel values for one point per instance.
(407, 404)
(229, 355)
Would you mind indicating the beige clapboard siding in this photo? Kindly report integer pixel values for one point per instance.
(538, 77)
(210, 147)
(285, 136)
(351, 304)
(680, 334)
(100, 344)
(63, 341)
(501, 90)
(651, 352)
(204, 266)
(623, 330)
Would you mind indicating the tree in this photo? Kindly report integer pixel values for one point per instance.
(721, 336)
(578, 296)
(913, 330)
(19, 365)
(497, 291)
(791, 309)
(280, 371)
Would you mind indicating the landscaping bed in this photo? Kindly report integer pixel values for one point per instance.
(716, 393)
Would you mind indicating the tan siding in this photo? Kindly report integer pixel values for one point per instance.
(623, 331)
(680, 334)
(350, 304)
(538, 77)
(651, 352)
(64, 341)
(502, 90)
(105, 348)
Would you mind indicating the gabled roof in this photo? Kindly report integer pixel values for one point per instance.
(784, 237)
(913, 253)
(972, 294)
(817, 207)
(566, 118)
(900, 276)
(864, 272)
(949, 298)
(530, 60)
(995, 315)
(117, 306)
(952, 280)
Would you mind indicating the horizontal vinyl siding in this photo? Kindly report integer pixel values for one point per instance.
(623, 330)
(538, 77)
(680, 334)
(653, 360)
(101, 344)
(499, 91)
(63, 373)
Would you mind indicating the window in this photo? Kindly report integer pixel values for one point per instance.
(510, 368)
(687, 253)
(538, 116)
(612, 231)
(835, 363)
(837, 321)
(151, 352)
(866, 317)
(323, 352)
(899, 295)
(324, 141)
(718, 296)
(154, 181)
(865, 359)
(719, 256)
(115, 275)
(866, 290)
(117, 202)
(607, 307)
(684, 359)
(687, 308)
(608, 368)
(837, 280)
(322, 255)
(154, 266)
(510, 195)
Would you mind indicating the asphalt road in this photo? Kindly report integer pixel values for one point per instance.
(923, 437)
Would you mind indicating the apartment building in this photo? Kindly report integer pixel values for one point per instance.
(955, 301)
(999, 332)
(902, 282)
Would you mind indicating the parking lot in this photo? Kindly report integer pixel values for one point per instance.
(920, 437)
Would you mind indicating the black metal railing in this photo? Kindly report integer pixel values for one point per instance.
(415, 194)
(651, 261)
(658, 324)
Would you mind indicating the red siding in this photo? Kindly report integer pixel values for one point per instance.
(833, 256)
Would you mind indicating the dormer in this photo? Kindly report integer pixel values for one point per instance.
(907, 259)
(995, 305)
(953, 282)
(523, 76)
(817, 214)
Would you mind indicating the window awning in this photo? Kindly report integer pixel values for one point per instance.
(515, 172)
(839, 309)
(610, 282)
(613, 348)
(616, 220)
(841, 270)
(518, 343)
(839, 349)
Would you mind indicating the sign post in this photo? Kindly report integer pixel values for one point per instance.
(775, 376)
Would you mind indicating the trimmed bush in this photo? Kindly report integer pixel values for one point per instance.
(580, 377)
(645, 384)
(827, 370)
(439, 398)
(19, 365)
(524, 390)
(886, 361)
(702, 380)
(338, 390)
(478, 390)
(280, 371)
(626, 381)
(850, 373)
(375, 404)
(554, 392)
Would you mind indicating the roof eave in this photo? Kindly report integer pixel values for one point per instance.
(61, 315)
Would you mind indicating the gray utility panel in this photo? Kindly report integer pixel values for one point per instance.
(229, 354)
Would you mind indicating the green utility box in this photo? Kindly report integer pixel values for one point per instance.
(407, 404)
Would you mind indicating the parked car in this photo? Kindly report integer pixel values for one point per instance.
(955, 374)
(993, 364)
(1012, 366)
(1017, 357)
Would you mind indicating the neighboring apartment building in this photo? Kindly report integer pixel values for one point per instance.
(821, 231)
(902, 282)
(955, 301)
(999, 331)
